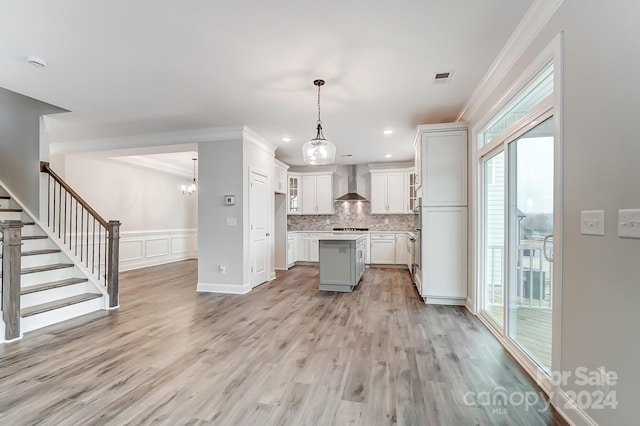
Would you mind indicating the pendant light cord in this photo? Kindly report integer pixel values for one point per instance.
(319, 121)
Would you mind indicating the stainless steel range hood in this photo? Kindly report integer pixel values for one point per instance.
(352, 194)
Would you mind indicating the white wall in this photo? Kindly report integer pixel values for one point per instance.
(159, 224)
(601, 275)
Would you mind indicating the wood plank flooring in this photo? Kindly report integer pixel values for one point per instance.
(283, 354)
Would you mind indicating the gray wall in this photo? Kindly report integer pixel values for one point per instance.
(601, 276)
(20, 145)
(220, 173)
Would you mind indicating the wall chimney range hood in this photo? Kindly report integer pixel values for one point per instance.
(352, 194)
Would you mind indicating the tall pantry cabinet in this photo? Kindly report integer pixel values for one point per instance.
(441, 179)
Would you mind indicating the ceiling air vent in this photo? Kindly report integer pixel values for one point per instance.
(442, 76)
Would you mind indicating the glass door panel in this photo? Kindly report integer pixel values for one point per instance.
(530, 226)
(494, 199)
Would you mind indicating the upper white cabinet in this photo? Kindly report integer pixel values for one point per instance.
(390, 190)
(317, 193)
(280, 184)
(441, 164)
(293, 200)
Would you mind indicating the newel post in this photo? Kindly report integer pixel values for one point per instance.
(11, 242)
(113, 269)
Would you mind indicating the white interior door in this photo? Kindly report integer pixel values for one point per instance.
(259, 224)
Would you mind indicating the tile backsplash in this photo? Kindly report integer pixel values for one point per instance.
(352, 215)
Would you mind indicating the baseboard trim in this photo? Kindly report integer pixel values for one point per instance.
(565, 406)
(223, 288)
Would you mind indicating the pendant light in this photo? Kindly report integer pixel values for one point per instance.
(190, 189)
(318, 150)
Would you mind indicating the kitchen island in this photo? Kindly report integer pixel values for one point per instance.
(342, 261)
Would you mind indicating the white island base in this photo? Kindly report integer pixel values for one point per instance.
(341, 261)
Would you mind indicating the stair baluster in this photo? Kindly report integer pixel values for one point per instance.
(98, 239)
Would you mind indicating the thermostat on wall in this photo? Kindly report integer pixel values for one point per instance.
(229, 200)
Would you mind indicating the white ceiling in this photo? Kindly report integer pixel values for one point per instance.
(131, 67)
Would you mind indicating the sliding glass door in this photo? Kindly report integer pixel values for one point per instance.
(517, 222)
(494, 244)
(530, 186)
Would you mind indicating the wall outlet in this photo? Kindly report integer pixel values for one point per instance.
(629, 223)
(222, 269)
(592, 222)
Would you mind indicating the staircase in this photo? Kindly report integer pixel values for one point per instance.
(54, 286)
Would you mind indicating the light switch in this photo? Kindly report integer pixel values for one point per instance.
(232, 221)
(629, 223)
(592, 222)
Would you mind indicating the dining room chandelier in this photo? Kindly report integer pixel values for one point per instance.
(193, 187)
(318, 150)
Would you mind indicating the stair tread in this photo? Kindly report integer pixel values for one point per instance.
(10, 210)
(45, 268)
(57, 304)
(32, 237)
(50, 285)
(37, 252)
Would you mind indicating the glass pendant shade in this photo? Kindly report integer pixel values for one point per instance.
(318, 150)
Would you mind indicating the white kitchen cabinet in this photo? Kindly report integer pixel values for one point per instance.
(441, 164)
(402, 253)
(293, 200)
(393, 191)
(383, 249)
(444, 255)
(291, 250)
(317, 193)
(280, 182)
(307, 247)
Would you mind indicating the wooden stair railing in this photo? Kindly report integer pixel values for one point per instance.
(92, 239)
(11, 241)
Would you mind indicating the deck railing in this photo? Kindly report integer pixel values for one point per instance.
(533, 276)
(90, 238)
(11, 231)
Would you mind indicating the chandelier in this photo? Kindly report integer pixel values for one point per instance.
(318, 150)
(190, 189)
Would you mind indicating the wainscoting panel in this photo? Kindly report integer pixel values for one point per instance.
(163, 246)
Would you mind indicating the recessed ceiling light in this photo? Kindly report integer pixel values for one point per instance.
(388, 155)
(388, 132)
(36, 62)
(286, 139)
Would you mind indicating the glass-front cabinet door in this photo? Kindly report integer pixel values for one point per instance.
(412, 192)
(294, 195)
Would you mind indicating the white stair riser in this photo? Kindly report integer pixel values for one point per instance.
(11, 216)
(28, 245)
(48, 276)
(4, 204)
(31, 230)
(54, 294)
(68, 312)
(43, 259)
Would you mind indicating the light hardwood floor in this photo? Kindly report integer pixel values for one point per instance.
(283, 354)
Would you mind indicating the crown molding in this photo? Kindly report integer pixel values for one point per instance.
(258, 140)
(527, 30)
